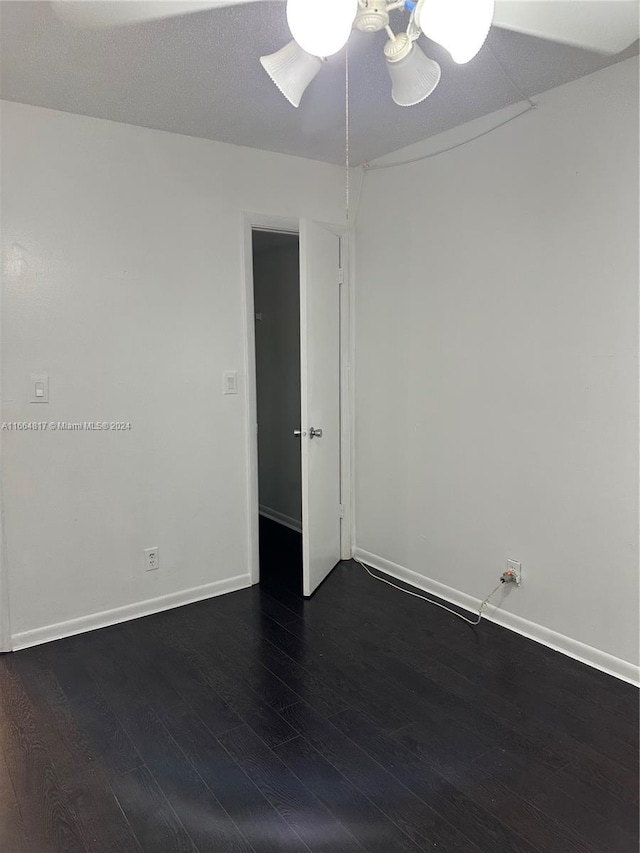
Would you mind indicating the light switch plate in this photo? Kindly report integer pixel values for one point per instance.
(230, 382)
(39, 385)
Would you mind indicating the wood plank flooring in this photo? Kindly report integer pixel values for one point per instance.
(359, 720)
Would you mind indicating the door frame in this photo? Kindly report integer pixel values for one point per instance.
(268, 222)
(5, 620)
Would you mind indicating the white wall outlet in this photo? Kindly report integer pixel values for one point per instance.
(230, 382)
(151, 559)
(516, 568)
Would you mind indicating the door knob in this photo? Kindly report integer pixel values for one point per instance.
(315, 433)
(298, 433)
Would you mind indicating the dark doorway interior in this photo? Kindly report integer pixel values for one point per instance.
(280, 557)
(276, 283)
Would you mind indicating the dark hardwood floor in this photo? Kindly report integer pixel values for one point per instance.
(361, 719)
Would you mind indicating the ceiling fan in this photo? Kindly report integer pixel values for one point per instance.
(321, 28)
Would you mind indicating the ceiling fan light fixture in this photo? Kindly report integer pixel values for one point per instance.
(460, 26)
(372, 16)
(321, 27)
(292, 69)
(413, 75)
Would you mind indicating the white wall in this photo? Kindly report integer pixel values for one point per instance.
(122, 250)
(497, 361)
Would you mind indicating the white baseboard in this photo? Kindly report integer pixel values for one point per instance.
(281, 518)
(130, 611)
(559, 642)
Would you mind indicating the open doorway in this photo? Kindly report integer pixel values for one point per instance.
(316, 436)
(276, 298)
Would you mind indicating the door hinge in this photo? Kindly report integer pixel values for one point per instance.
(341, 510)
(340, 275)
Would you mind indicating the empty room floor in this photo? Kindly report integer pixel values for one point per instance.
(362, 719)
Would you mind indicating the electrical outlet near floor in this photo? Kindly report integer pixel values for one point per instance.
(151, 559)
(516, 568)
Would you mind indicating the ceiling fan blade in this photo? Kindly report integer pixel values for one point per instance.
(115, 13)
(605, 26)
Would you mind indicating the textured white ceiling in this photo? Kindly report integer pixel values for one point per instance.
(199, 75)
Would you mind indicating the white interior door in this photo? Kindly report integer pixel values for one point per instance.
(320, 401)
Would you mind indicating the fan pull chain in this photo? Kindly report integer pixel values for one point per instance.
(506, 74)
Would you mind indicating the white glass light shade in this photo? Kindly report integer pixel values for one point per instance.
(413, 78)
(321, 27)
(291, 69)
(460, 26)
